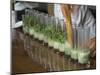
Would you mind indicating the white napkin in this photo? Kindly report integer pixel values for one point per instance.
(19, 6)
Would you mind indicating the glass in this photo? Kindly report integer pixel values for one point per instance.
(81, 38)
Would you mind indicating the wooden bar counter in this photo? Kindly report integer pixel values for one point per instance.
(30, 55)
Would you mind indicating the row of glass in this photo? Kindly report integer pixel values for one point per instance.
(53, 31)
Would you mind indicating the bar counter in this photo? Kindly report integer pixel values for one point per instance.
(29, 55)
